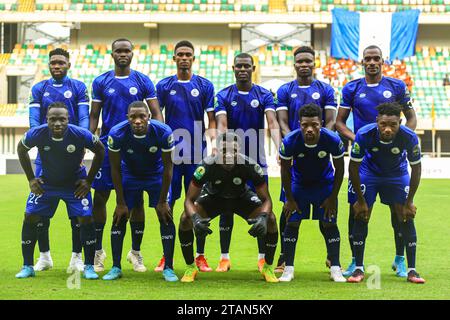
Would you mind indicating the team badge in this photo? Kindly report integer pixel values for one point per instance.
(416, 150)
(170, 139)
(237, 181)
(254, 103)
(195, 92)
(375, 149)
(130, 151)
(172, 92)
(362, 95)
(111, 91)
(46, 94)
(68, 94)
(322, 154)
(218, 182)
(71, 148)
(110, 141)
(315, 95)
(47, 148)
(294, 95)
(153, 149)
(356, 148)
(133, 91)
(301, 155)
(199, 172)
(233, 103)
(395, 150)
(387, 94)
(259, 170)
(85, 202)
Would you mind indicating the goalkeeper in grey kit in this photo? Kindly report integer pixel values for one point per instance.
(219, 187)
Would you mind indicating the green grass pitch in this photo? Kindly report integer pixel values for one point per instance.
(243, 281)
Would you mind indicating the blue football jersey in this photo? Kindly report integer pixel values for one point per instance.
(291, 97)
(312, 165)
(61, 158)
(72, 92)
(141, 155)
(117, 93)
(385, 159)
(184, 104)
(246, 111)
(362, 98)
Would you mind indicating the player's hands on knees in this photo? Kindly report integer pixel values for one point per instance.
(259, 225)
(201, 225)
(82, 188)
(408, 211)
(289, 207)
(164, 212)
(121, 212)
(35, 186)
(330, 207)
(361, 210)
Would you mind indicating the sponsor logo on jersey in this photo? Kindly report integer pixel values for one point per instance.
(130, 151)
(199, 172)
(322, 154)
(233, 103)
(47, 148)
(68, 94)
(301, 155)
(111, 91)
(254, 103)
(195, 92)
(71, 148)
(416, 150)
(362, 95)
(218, 182)
(315, 95)
(46, 94)
(387, 94)
(375, 149)
(294, 95)
(356, 148)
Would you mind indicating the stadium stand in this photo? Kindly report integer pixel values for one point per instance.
(8, 5)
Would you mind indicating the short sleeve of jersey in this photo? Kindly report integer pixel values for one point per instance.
(89, 139)
(149, 88)
(358, 148)
(82, 94)
(167, 143)
(114, 142)
(285, 149)
(330, 100)
(209, 97)
(200, 176)
(413, 150)
(34, 100)
(282, 98)
(347, 97)
(403, 96)
(30, 138)
(97, 94)
(269, 103)
(256, 174)
(219, 107)
(337, 150)
(159, 95)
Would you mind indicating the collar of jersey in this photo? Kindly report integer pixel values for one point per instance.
(139, 137)
(243, 92)
(373, 84)
(381, 141)
(184, 81)
(122, 77)
(311, 146)
(304, 87)
(58, 139)
(58, 83)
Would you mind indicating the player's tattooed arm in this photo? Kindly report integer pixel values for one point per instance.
(155, 110)
(94, 116)
(162, 208)
(360, 206)
(341, 126)
(409, 209)
(330, 204)
(283, 121)
(290, 206)
(121, 211)
(25, 162)
(411, 118)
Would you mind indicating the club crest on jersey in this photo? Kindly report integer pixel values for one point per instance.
(356, 148)
(254, 103)
(416, 150)
(395, 150)
(133, 91)
(237, 181)
(195, 92)
(322, 154)
(70, 148)
(47, 148)
(85, 202)
(111, 91)
(46, 94)
(315, 95)
(172, 92)
(199, 172)
(294, 95)
(233, 103)
(153, 149)
(130, 151)
(68, 94)
(218, 182)
(387, 94)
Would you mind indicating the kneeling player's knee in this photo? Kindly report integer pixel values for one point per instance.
(31, 218)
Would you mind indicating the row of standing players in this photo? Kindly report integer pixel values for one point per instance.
(185, 98)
